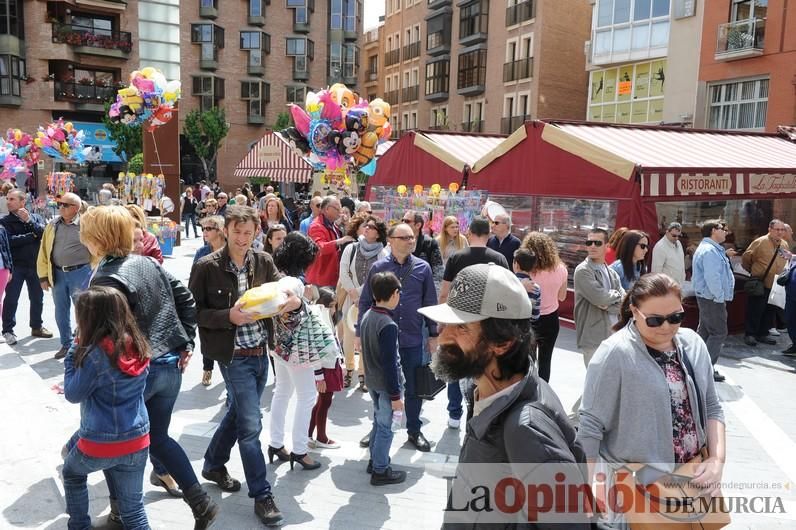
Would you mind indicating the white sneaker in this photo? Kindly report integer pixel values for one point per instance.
(454, 424)
(331, 444)
(773, 332)
(11, 339)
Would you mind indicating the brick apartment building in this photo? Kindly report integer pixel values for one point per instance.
(65, 59)
(747, 74)
(253, 58)
(479, 65)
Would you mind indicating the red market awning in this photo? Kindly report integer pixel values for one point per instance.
(272, 157)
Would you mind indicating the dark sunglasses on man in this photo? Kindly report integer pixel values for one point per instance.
(64, 204)
(595, 242)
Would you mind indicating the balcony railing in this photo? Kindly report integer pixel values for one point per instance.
(391, 97)
(520, 13)
(83, 93)
(473, 126)
(519, 69)
(392, 57)
(372, 75)
(509, 125)
(411, 50)
(410, 93)
(76, 35)
(743, 38)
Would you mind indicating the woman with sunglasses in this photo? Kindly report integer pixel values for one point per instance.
(649, 395)
(630, 257)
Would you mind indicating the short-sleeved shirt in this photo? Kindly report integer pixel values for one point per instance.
(471, 256)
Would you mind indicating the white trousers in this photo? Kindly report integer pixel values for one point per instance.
(290, 379)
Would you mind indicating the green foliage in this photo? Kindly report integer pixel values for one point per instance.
(136, 164)
(128, 138)
(205, 131)
(282, 121)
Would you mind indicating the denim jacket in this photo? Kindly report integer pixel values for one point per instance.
(5, 251)
(111, 397)
(626, 282)
(711, 273)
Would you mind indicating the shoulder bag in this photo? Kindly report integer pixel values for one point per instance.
(755, 286)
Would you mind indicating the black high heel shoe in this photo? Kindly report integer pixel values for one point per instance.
(280, 454)
(294, 458)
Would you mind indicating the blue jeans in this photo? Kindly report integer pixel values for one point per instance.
(790, 318)
(65, 290)
(411, 358)
(162, 388)
(455, 409)
(125, 477)
(187, 220)
(245, 379)
(35, 294)
(381, 435)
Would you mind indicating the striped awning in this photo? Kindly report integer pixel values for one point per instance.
(458, 149)
(272, 157)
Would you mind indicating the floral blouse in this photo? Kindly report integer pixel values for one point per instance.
(684, 432)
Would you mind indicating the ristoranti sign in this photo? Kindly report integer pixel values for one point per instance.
(704, 184)
(772, 183)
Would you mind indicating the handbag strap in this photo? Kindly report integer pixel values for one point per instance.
(770, 263)
(687, 363)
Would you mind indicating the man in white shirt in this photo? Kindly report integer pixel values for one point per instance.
(668, 256)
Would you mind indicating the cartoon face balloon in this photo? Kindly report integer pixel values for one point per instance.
(378, 112)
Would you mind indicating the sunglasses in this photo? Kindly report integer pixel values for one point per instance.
(590, 242)
(676, 235)
(496, 223)
(656, 321)
(64, 204)
(372, 227)
(208, 228)
(403, 238)
(643, 246)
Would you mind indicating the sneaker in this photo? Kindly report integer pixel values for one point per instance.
(267, 511)
(11, 339)
(42, 332)
(388, 477)
(773, 332)
(454, 424)
(222, 478)
(328, 444)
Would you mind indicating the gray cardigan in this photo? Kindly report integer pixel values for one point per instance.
(626, 416)
(592, 322)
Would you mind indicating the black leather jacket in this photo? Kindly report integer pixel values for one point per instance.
(157, 298)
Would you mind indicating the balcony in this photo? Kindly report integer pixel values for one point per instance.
(118, 6)
(509, 125)
(411, 51)
(255, 119)
(85, 96)
(371, 76)
(410, 93)
(473, 126)
(392, 57)
(519, 69)
(300, 75)
(391, 97)
(88, 41)
(436, 4)
(521, 12)
(740, 39)
(208, 11)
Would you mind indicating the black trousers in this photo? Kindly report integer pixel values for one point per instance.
(546, 332)
(758, 315)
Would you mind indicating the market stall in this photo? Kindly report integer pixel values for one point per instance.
(565, 177)
(271, 160)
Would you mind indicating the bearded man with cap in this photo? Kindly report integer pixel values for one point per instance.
(517, 418)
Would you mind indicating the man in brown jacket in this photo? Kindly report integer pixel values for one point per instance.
(756, 260)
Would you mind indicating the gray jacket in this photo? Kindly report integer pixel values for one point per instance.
(595, 303)
(624, 380)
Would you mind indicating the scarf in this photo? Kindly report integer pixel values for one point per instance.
(369, 250)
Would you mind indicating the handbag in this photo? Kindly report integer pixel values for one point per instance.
(754, 286)
(777, 295)
(427, 386)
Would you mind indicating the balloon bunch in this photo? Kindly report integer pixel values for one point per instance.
(149, 95)
(60, 182)
(139, 188)
(18, 153)
(61, 141)
(337, 127)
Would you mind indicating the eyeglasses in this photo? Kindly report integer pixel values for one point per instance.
(676, 235)
(722, 228)
(497, 222)
(595, 242)
(372, 227)
(64, 204)
(403, 238)
(208, 228)
(643, 246)
(656, 321)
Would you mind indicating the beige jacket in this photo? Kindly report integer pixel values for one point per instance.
(758, 255)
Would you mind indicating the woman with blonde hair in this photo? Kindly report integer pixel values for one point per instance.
(165, 311)
(273, 213)
(550, 274)
(450, 239)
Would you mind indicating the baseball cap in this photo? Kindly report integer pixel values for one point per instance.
(479, 292)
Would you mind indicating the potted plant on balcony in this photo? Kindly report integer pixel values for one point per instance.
(86, 81)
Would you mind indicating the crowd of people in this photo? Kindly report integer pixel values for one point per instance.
(378, 302)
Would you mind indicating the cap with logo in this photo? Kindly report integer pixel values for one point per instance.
(479, 292)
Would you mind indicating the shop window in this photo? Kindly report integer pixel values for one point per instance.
(738, 105)
(12, 73)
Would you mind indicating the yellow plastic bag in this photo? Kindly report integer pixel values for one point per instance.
(264, 300)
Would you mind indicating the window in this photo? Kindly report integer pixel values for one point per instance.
(255, 40)
(473, 116)
(257, 95)
(299, 46)
(12, 72)
(336, 14)
(626, 26)
(438, 32)
(350, 16)
(373, 65)
(209, 90)
(472, 69)
(350, 60)
(211, 39)
(628, 94)
(213, 4)
(256, 8)
(473, 18)
(738, 105)
(296, 94)
(335, 60)
(439, 118)
(11, 18)
(93, 24)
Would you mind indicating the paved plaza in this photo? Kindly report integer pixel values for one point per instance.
(759, 400)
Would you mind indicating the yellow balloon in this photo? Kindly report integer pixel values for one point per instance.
(68, 126)
(435, 189)
(148, 72)
(418, 189)
(401, 189)
(453, 187)
(37, 141)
